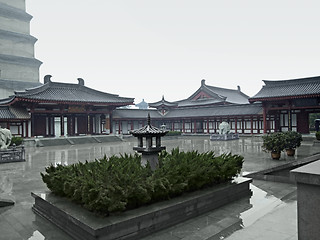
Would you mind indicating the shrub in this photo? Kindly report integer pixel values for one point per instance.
(16, 140)
(318, 135)
(274, 142)
(173, 133)
(292, 139)
(119, 183)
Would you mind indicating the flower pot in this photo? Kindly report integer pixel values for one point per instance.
(290, 152)
(275, 155)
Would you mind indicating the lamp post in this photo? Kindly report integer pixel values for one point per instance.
(146, 147)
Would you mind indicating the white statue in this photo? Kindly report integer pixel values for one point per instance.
(5, 138)
(224, 128)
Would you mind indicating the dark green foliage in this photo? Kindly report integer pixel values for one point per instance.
(318, 135)
(274, 142)
(292, 139)
(173, 133)
(16, 140)
(120, 183)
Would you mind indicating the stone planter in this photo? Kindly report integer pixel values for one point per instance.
(134, 224)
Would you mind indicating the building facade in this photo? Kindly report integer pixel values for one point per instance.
(288, 103)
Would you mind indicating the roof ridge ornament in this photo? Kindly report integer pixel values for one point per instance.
(80, 81)
(47, 79)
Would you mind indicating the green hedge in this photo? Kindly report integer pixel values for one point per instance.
(173, 133)
(16, 140)
(119, 183)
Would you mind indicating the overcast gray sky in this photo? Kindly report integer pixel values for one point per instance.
(147, 48)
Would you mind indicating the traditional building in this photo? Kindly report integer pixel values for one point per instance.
(19, 69)
(202, 112)
(288, 103)
(59, 109)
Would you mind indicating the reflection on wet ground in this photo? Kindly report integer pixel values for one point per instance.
(18, 180)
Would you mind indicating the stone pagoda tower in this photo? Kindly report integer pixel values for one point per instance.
(18, 67)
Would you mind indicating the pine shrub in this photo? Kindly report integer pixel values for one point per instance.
(120, 182)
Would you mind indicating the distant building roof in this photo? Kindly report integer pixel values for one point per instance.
(205, 96)
(135, 113)
(219, 94)
(294, 88)
(69, 93)
(218, 111)
(142, 105)
(211, 111)
(163, 103)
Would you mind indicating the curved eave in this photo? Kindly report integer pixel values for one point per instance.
(70, 102)
(261, 99)
(148, 134)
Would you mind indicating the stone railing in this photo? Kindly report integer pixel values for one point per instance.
(12, 154)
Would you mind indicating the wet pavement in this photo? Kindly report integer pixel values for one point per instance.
(269, 214)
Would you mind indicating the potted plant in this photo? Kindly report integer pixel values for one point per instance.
(318, 135)
(292, 141)
(274, 143)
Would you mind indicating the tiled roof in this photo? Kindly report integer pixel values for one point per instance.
(134, 113)
(13, 113)
(148, 130)
(232, 96)
(215, 95)
(199, 102)
(67, 92)
(225, 110)
(163, 102)
(288, 88)
(216, 111)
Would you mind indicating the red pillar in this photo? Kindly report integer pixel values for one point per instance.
(62, 125)
(264, 119)
(183, 128)
(236, 124)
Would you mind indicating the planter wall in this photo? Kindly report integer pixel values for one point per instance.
(134, 224)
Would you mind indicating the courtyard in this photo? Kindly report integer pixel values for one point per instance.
(269, 213)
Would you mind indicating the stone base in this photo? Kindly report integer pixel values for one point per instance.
(134, 224)
(151, 158)
(224, 137)
(14, 154)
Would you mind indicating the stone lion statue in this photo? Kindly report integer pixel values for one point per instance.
(5, 138)
(224, 128)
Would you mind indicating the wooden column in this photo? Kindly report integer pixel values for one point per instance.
(208, 131)
(236, 124)
(183, 126)
(62, 125)
(251, 124)
(32, 121)
(264, 119)
(27, 129)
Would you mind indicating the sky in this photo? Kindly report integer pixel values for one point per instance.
(147, 49)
